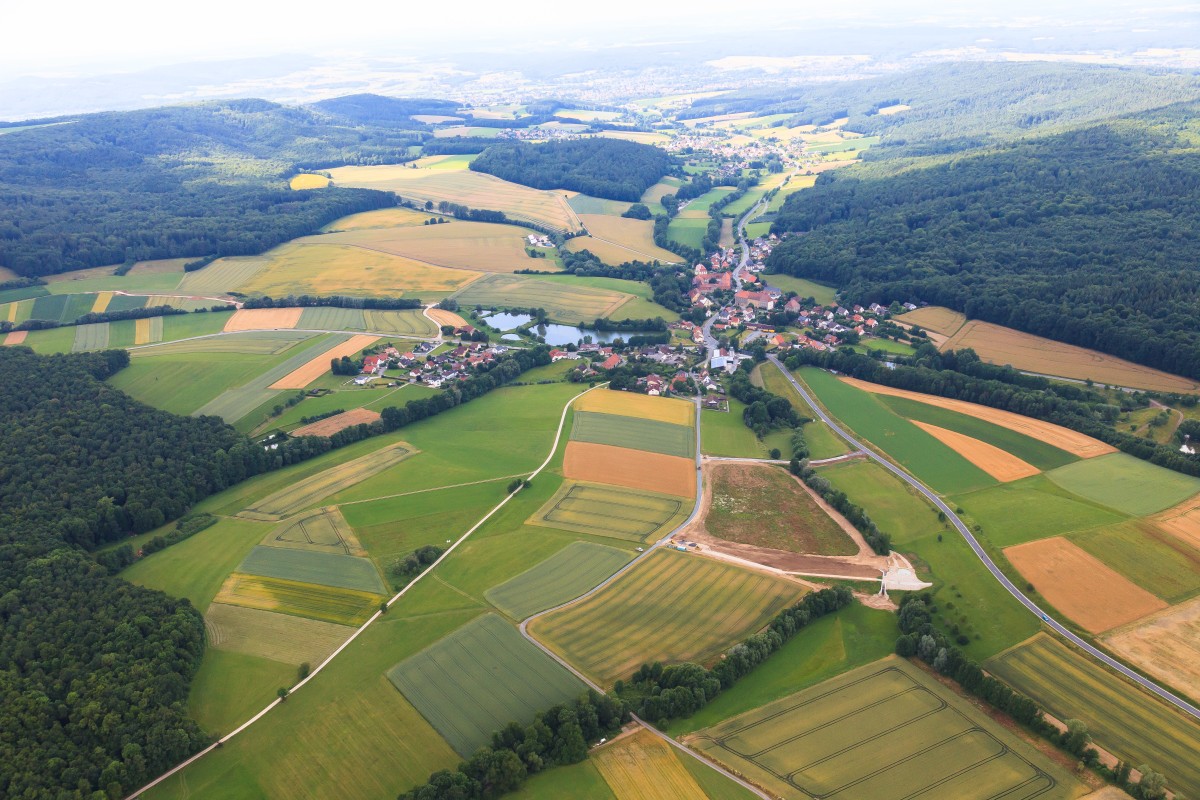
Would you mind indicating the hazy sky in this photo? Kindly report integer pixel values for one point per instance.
(84, 36)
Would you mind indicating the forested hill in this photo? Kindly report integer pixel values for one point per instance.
(180, 181)
(1090, 237)
(377, 109)
(610, 168)
(94, 672)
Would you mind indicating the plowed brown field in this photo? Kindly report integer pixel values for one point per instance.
(1081, 586)
(634, 469)
(1000, 464)
(338, 422)
(15, 337)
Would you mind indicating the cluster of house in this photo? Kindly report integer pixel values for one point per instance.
(432, 370)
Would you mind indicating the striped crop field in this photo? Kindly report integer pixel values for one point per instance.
(333, 319)
(310, 491)
(222, 275)
(886, 731)
(249, 342)
(279, 637)
(640, 434)
(1127, 721)
(672, 607)
(563, 576)
(308, 566)
(147, 330)
(611, 511)
(480, 678)
(407, 322)
(644, 767)
(311, 600)
(93, 336)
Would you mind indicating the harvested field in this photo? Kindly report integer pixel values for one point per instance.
(478, 246)
(935, 319)
(764, 506)
(473, 189)
(1150, 558)
(644, 767)
(886, 731)
(1055, 435)
(263, 319)
(338, 422)
(309, 491)
(443, 317)
(633, 469)
(639, 434)
(1127, 721)
(324, 531)
(1182, 521)
(309, 566)
(147, 330)
(563, 303)
(222, 275)
(642, 406)
(1165, 645)
(634, 236)
(93, 336)
(1081, 586)
(480, 678)
(671, 607)
(1024, 351)
(279, 637)
(407, 322)
(307, 180)
(319, 265)
(306, 374)
(15, 337)
(610, 511)
(563, 576)
(1126, 483)
(314, 601)
(1000, 464)
(379, 218)
(102, 301)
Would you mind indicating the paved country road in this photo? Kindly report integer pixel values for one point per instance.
(1099, 655)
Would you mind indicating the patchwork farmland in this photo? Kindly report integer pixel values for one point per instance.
(611, 511)
(671, 606)
(311, 600)
(564, 576)
(886, 731)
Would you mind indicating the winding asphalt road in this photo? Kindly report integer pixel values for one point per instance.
(1099, 655)
(710, 341)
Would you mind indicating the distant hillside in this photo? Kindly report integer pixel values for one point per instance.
(1091, 237)
(177, 181)
(959, 106)
(374, 109)
(609, 168)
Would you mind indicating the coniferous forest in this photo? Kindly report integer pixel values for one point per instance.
(1090, 237)
(609, 168)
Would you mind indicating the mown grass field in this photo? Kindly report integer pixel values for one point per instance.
(825, 295)
(1125, 483)
(1032, 508)
(827, 741)
(309, 491)
(183, 326)
(688, 231)
(306, 566)
(612, 512)
(723, 434)
(173, 383)
(1039, 454)
(578, 781)
(639, 434)
(672, 607)
(822, 442)
(220, 704)
(472, 189)
(279, 637)
(698, 208)
(895, 508)
(568, 304)
(311, 600)
(914, 449)
(480, 678)
(765, 506)
(563, 576)
(1127, 721)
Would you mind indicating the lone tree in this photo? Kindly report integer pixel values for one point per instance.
(282, 693)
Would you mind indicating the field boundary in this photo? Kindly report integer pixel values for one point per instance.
(394, 599)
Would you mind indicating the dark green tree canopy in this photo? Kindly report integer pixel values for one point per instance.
(610, 168)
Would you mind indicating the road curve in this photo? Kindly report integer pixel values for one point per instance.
(1099, 655)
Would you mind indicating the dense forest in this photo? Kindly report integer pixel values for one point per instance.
(94, 672)
(610, 168)
(1090, 237)
(963, 105)
(181, 181)
(374, 109)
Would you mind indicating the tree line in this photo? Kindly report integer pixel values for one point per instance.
(1089, 237)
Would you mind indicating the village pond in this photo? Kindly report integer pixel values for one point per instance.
(554, 334)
